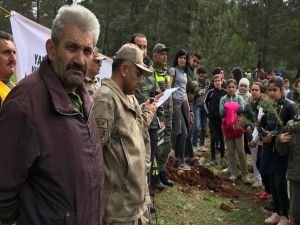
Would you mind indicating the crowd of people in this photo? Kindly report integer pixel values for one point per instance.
(74, 151)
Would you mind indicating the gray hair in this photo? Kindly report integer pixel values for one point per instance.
(78, 16)
(6, 36)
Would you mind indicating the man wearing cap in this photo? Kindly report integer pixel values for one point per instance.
(120, 122)
(160, 57)
(93, 68)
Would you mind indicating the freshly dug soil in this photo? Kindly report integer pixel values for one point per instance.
(203, 178)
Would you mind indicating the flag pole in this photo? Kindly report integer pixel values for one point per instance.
(6, 12)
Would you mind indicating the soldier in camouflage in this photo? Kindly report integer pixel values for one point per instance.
(120, 121)
(146, 90)
(90, 81)
(160, 56)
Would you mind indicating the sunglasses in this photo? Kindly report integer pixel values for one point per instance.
(97, 61)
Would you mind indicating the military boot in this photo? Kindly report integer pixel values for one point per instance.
(156, 183)
(165, 179)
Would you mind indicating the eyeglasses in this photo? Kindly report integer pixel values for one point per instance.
(97, 61)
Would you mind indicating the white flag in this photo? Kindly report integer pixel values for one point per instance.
(30, 40)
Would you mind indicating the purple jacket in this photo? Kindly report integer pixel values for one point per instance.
(51, 163)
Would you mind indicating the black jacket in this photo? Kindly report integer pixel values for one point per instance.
(272, 161)
(212, 103)
(51, 163)
(291, 149)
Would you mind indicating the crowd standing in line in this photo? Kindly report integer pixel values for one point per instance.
(62, 175)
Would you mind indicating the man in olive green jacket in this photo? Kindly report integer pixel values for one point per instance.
(120, 121)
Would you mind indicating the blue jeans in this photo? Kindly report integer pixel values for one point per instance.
(200, 122)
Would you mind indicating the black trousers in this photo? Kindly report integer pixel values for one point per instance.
(295, 201)
(265, 178)
(216, 136)
(153, 142)
(279, 193)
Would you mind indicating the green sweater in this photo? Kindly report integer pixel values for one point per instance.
(228, 98)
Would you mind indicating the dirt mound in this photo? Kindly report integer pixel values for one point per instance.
(203, 178)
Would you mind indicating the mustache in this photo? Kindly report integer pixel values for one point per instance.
(75, 66)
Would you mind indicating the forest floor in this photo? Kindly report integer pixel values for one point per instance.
(205, 196)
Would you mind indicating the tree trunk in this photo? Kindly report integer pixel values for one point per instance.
(134, 13)
(38, 9)
(298, 71)
(107, 24)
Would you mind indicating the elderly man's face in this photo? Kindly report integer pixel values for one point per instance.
(71, 56)
(7, 59)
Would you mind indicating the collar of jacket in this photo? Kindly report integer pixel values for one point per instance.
(90, 80)
(115, 88)
(59, 97)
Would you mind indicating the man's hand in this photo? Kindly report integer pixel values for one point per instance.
(267, 139)
(151, 106)
(249, 130)
(191, 118)
(252, 144)
(161, 124)
(156, 98)
(285, 137)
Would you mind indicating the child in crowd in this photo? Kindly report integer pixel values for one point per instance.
(234, 138)
(243, 90)
(295, 94)
(211, 105)
(273, 164)
(254, 114)
(287, 88)
(198, 108)
(288, 144)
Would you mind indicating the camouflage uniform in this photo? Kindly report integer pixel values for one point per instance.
(120, 121)
(191, 85)
(164, 82)
(91, 85)
(146, 89)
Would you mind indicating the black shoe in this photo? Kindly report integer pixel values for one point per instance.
(165, 179)
(269, 207)
(156, 183)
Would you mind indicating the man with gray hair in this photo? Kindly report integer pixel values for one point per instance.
(51, 163)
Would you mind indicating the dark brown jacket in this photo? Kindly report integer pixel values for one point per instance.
(51, 164)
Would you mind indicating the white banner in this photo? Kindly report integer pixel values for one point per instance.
(30, 40)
